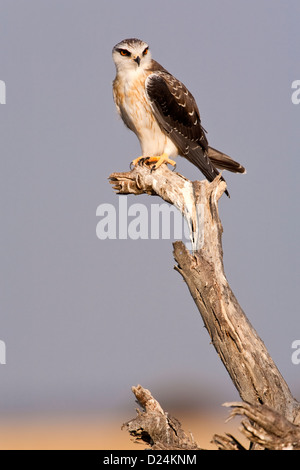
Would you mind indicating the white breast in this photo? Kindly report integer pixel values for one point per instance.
(136, 112)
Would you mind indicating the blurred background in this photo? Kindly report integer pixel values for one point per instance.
(84, 319)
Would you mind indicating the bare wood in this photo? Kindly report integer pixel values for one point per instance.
(263, 426)
(244, 355)
(242, 352)
(156, 428)
(170, 186)
(227, 442)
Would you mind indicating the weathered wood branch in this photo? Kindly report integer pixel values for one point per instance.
(242, 352)
(156, 428)
(172, 188)
(263, 426)
(227, 442)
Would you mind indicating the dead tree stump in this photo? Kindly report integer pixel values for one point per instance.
(242, 352)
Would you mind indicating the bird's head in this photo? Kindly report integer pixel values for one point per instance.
(131, 55)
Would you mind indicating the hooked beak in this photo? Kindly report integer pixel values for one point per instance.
(137, 60)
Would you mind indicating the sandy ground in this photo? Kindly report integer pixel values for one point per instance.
(92, 433)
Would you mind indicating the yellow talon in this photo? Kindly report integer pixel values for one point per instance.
(158, 161)
(136, 160)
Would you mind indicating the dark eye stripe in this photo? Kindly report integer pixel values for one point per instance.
(124, 52)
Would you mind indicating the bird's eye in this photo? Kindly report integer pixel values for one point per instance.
(145, 52)
(125, 53)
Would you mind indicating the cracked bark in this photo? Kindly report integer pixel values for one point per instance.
(238, 345)
(155, 427)
(263, 426)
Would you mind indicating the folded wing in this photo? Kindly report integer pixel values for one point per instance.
(176, 111)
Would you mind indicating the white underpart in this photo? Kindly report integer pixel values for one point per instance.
(137, 113)
(152, 139)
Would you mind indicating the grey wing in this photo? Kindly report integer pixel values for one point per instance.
(177, 113)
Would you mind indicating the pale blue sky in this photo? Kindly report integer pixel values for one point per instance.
(83, 319)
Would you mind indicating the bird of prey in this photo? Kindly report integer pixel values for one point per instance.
(162, 112)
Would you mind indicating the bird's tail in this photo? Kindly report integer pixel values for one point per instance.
(224, 162)
(203, 161)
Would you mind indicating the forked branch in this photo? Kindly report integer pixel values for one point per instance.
(242, 352)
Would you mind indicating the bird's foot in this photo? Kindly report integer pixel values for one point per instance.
(154, 162)
(138, 161)
(159, 160)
